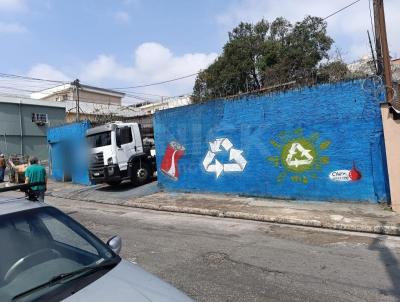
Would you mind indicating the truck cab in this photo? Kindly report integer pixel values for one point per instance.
(117, 153)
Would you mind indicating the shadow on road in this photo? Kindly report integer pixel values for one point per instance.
(391, 264)
(125, 186)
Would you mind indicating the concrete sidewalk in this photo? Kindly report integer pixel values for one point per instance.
(361, 217)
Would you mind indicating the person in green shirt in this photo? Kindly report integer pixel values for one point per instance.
(36, 173)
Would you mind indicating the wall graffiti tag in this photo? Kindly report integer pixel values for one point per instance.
(212, 165)
(169, 164)
(346, 175)
(299, 156)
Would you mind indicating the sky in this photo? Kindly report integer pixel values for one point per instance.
(124, 43)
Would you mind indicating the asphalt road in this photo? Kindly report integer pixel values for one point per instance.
(219, 259)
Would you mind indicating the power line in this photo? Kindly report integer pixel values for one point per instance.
(141, 98)
(370, 17)
(17, 89)
(26, 83)
(342, 9)
(159, 83)
(142, 93)
(14, 76)
(8, 77)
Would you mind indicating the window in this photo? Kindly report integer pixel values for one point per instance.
(99, 139)
(40, 118)
(63, 234)
(124, 136)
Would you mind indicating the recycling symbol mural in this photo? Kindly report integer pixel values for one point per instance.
(306, 157)
(236, 163)
(299, 158)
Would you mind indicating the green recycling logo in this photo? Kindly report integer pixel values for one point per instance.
(299, 157)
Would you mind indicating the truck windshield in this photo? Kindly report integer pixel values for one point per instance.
(99, 139)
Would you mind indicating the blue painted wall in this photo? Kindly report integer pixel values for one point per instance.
(68, 152)
(337, 124)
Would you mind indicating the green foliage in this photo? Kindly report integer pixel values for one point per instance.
(333, 71)
(265, 54)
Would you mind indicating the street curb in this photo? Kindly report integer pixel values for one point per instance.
(376, 229)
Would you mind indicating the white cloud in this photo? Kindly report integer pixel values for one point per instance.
(122, 17)
(11, 28)
(348, 28)
(12, 5)
(152, 63)
(44, 71)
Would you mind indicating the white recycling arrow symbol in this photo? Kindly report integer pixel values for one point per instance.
(237, 161)
(307, 158)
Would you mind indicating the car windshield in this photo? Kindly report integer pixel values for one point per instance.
(99, 139)
(40, 244)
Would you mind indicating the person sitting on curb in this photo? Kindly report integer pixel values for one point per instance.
(2, 167)
(36, 173)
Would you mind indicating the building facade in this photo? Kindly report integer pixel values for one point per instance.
(24, 123)
(87, 94)
(167, 103)
(94, 103)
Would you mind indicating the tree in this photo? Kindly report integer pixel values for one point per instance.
(264, 54)
(333, 71)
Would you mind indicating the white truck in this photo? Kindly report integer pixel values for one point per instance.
(118, 152)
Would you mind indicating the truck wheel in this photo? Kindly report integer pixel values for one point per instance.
(140, 173)
(113, 183)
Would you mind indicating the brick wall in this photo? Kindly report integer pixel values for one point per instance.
(319, 143)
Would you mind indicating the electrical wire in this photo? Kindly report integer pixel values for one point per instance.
(17, 89)
(159, 83)
(142, 93)
(135, 95)
(12, 77)
(372, 22)
(342, 9)
(7, 75)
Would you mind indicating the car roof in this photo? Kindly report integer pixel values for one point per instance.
(10, 204)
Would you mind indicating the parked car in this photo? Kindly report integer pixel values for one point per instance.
(45, 255)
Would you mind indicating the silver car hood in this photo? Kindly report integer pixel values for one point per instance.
(128, 282)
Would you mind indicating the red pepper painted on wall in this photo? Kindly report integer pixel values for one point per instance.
(169, 164)
(354, 174)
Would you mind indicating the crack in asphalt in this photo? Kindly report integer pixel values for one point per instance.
(219, 257)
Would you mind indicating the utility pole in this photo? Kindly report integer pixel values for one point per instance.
(378, 46)
(77, 85)
(379, 14)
